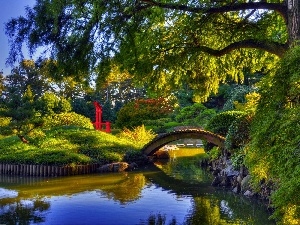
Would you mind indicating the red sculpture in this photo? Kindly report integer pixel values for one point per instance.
(105, 126)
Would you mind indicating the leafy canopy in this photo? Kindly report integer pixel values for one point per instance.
(161, 43)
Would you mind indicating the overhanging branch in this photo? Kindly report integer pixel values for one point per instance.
(278, 7)
(271, 47)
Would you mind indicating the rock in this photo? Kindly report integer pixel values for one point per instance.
(248, 193)
(245, 184)
(225, 181)
(216, 171)
(131, 166)
(239, 179)
(113, 167)
(217, 180)
(236, 190)
(120, 166)
(105, 168)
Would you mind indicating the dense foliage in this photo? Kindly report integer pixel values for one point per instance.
(134, 113)
(140, 136)
(65, 146)
(195, 115)
(162, 44)
(238, 132)
(273, 152)
(221, 122)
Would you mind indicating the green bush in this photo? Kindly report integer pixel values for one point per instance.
(4, 126)
(161, 125)
(237, 95)
(214, 153)
(67, 119)
(49, 103)
(139, 135)
(238, 132)
(237, 159)
(136, 157)
(220, 124)
(195, 115)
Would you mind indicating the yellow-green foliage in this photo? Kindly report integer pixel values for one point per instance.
(4, 123)
(250, 105)
(67, 119)
(274, 150)
(65, 146)
(139, 135)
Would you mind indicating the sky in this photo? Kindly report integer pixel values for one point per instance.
(9, 9)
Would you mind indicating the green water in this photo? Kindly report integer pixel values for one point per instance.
(174, 192)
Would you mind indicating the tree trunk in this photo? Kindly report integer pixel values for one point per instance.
(293, 21)
(23, 139)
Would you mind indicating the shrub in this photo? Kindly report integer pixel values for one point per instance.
(237, 95)
(67, 119)
(220, 124)
(214, 153)
(196, 114)
(140, 136)
(237, 159)
(238, 132)
(66, 146)
(135, 156)
(4, 126)
(161, 125)
(134, 113)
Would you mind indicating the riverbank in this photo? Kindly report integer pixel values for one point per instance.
(64, 150)
(238, 180)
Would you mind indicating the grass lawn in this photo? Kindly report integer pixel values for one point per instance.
(65, 146)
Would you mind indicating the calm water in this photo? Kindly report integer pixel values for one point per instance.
(156, 195)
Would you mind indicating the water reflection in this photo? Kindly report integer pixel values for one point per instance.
(23, 211)
(158, 195)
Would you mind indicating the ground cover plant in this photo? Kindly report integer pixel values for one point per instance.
(67, 145)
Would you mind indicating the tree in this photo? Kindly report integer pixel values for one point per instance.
(22, 76)
(22, 111)
(162, 43)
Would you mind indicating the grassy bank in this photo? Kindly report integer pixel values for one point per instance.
(65, 146)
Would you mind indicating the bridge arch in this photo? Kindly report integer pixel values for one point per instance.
(163, 139)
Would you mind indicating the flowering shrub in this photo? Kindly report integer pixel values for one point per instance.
(136, 112)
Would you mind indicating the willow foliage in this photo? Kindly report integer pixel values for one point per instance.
(161, 44)
(274, 150)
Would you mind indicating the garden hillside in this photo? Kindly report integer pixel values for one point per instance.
(70, 145)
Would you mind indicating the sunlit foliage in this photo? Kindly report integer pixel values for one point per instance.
(161, 44)
(273, 152)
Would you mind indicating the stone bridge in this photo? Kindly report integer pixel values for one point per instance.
(194, 133)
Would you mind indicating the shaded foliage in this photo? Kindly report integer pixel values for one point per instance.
(273, 152)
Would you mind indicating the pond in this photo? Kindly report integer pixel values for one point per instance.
(160, 194)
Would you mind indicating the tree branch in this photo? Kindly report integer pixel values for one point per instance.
(271, 47)
(278, 7)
